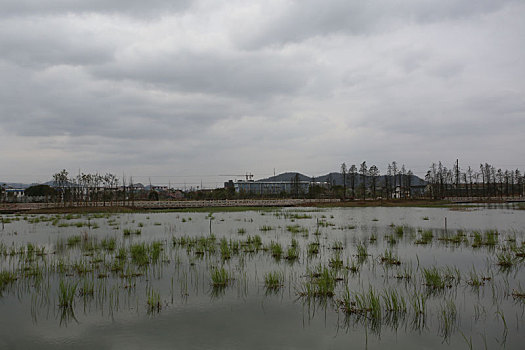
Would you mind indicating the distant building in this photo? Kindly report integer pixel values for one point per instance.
(271, 187)
(13, 194)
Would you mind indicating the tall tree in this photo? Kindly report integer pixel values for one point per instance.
(353, 174)
(374, 173)
(343, 173)
(363, 170)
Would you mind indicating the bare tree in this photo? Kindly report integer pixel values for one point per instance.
(353, 173)
(374, 173)
(343, 172)
(363, 170)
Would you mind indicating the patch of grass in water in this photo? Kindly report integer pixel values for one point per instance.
(153, 302)
(426, 237)
(321, 284)
(128, 232)
(295, 229)
(313, 249)
(273, 280)
(505, 259)
(139, 254)
(276, 250)
(389, 258)
(219, 277)
(6, 278)
(66, 294)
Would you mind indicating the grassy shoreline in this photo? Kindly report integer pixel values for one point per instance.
(422, 203)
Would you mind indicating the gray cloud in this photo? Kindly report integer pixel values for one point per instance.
(309, 18)
(215, 88)
(246, 74)
(128, 7)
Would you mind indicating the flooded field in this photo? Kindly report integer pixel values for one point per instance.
(406, 278)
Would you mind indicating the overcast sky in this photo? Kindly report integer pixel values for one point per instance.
(183, 91)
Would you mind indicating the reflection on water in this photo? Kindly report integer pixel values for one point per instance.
(309, 278)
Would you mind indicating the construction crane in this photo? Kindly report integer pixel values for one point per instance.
(248, 176)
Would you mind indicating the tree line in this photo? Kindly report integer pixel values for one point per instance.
(85, 189)
(367, 182)
(483, 182)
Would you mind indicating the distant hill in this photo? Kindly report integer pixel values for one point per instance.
(337, 179)
(16, 185)
(285, 177)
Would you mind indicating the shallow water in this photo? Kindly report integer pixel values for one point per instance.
(42, 251)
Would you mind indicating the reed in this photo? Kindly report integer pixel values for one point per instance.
(389, 258)
(153, 302)
(273, 280)
(66, 294)
(313, 249)
(219, 277)
(276, 249)
(505, 259)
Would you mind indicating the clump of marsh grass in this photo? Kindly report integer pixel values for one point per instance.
(518, 293)
(352, 266)
(519, 252)
(139, 254)
(66, 294)
(399, 231)
(505, 259)
(321, 283)
(74, 240)
(6, 278)
(153, 302)
(434, 278)
(219, 277)
(367, 304)
(457, 238)
(109, 244)
(128, 232)
(362, 251)
(292, 253)
(394, 303)
(273, 280)
(336, 262)
(87, 288)
(389, 258)
(313, 249)
(276, 250)
(426, 237)
(225, 249)
(476, 279)
(296, 229)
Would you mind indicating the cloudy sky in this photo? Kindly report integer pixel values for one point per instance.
(184, 91)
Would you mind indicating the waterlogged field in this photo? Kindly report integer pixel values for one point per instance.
(280, 278)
